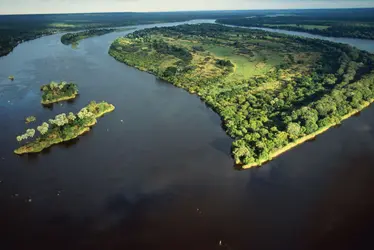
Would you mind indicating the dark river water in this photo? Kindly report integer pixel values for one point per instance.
(163, 178)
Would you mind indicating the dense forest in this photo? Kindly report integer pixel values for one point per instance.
(15, 29)
(358, 27)
(272, 91)
(74, 38)
(55, 92)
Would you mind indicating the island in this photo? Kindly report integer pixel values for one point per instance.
(30, 119)
(11, 78)
(56, 92)
(63, 127)
(74, 38)
(354, 25)
(272, 91)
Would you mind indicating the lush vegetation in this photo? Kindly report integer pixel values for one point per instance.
(74, 38)
(15, 29)
(272, 91)
(63, 127)
(355, 24)
(30, 119)
(55, 92)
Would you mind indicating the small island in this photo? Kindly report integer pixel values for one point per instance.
(30, 119)
(272, 91)
(11, 78)
(74, 38)
(63, 127)
(55, 92)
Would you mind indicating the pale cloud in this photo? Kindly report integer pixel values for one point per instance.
(74, 6)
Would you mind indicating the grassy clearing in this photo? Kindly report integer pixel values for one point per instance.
(272, 91)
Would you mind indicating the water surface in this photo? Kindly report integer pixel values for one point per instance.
(163, 178)
(363, 44)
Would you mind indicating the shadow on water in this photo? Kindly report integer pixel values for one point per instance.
(221, 144)
(48, 106)
(67, 102)
(71, 143)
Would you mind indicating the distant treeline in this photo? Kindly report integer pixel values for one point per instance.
(71, 38)
(351, 26)
(15, 29)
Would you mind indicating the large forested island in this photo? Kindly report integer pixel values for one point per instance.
(63, 127)
(56, 92)
(272, 91)
(74, 38)
(355, 26)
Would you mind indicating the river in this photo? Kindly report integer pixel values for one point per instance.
(163, 178)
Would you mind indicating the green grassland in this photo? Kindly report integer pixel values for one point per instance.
(272, 91)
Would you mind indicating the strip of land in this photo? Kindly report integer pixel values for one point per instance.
(74, 38)
(272, 91)
(63, 128)
(309, 137)
(354, 26)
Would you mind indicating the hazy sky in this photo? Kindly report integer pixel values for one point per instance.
(73, 6)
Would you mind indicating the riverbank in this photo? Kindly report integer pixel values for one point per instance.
(263, 116)
(74, 38)
(276, 153)
(305, 138)
(38, 146)
(64, 98)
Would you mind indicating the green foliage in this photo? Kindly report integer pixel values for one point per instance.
(74, 38)
(280, 102)
(63, 127)
(54, 92)
(60, 120)
(30, 119)
(224, 63)
(325, 25)
(170, 71)
(29, 134)
(293, 129)
(43, 129)
(71, 116)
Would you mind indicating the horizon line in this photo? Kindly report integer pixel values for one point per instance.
(172, 11)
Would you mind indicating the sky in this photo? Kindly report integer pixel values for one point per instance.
(79, 6)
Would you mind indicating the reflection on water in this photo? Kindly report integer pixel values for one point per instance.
(163, 178)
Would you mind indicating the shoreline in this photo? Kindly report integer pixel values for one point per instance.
(274, 154)
(305, 138)
(65, 98)
(31, 150)
(20, 151)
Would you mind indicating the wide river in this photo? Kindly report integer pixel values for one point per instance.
(163, 178)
